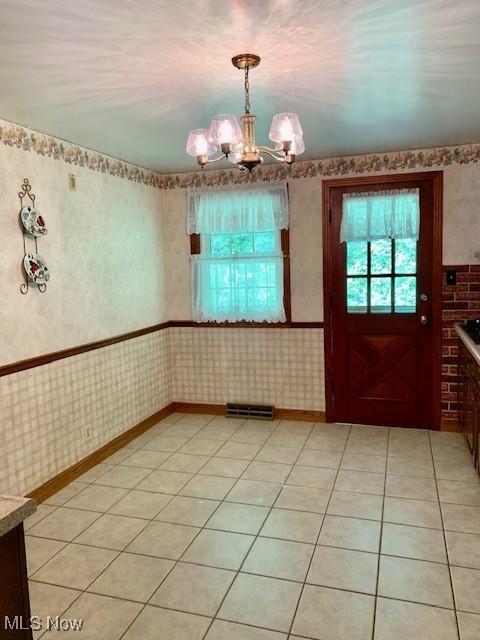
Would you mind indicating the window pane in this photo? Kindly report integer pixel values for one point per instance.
(265, 242)
(260, 274)
(405, 294)
(224, 275)
(261, 299)
(381, 256)
(357, 295)
(220, 244)
(272, 298)
(241, 299)
(240, 274)
(224, 300)
(357, 256)
(381, 295)
(406, 256)
(271, 274)
(242, 243)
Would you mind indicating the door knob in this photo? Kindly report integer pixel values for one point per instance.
(423, 319)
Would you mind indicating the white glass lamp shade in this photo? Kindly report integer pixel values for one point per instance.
(199, 143)
(285, 127)
(297, 146)
(225, 129)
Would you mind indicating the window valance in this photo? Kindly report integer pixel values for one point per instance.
(380, 215)
(244, 209)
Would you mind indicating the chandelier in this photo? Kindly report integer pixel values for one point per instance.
(237, 143)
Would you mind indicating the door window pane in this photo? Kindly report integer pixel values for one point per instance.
(381, 256)
(405, 256)
(380, 261)
(405, 294)
(381, 295)
(357, 258)
(357, 292)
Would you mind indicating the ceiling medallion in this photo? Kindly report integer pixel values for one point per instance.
(237, 143)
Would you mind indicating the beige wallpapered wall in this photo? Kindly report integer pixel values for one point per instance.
(104, 252)
(305, 251)
(103, 249)
(119, 254)
(461, 238)
(119, 260)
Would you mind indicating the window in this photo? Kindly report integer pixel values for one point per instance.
(381, 276)
(381, 232)
(238, 263)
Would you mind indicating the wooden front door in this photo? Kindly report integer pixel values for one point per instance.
(383, 314)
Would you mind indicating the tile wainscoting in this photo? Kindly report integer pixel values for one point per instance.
(460, 301)
(283, 367)
(46, 411)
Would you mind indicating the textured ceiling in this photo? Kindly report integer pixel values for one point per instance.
(131, 77)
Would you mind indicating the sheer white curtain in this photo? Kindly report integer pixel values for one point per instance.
(238, 282)
(380, 215)
(243, 209)
(247, 288)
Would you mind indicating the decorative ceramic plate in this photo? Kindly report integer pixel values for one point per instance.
(35, 268)
(33, 221)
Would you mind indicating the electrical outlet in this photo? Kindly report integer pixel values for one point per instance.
(72, 182)
(88, 433)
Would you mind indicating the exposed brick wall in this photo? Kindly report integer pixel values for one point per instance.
(459, 302)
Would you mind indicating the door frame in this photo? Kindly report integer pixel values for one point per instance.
(436, 178)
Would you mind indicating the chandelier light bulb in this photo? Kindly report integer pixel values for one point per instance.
(286, 131)
(285, 127)
(225, 132)
(225, 129)
(201, 146)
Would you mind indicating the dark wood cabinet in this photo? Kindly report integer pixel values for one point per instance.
(469, 400)
(14, 601)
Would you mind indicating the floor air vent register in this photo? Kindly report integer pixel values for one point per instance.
(258, 411)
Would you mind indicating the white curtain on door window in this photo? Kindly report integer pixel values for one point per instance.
(241, 210)
(380, 215)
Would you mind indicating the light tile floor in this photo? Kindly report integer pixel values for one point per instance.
(219, 529)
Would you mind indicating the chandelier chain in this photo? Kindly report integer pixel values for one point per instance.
(247, 91)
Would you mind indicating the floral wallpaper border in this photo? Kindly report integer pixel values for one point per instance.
(14, 135)
(328, 167)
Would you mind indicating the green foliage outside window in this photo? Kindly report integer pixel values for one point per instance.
(385, 264)
(243, 244)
